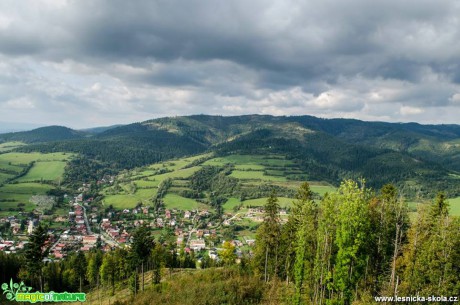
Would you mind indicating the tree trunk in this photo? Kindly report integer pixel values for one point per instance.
(135, 283)
(142, 275)
(99, 290)
(395, 255)
(266, 262)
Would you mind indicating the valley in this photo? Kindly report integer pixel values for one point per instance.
(201, 184)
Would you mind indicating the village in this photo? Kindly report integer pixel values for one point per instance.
(88, 225)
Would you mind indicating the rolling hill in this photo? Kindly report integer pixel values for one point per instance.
(43, 134)
(418, 158)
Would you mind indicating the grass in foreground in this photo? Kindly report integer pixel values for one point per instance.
(214, 286)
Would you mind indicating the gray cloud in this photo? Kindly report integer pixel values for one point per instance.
(86, 62)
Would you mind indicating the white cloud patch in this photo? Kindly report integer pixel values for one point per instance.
(408, 110)
(22, 103)
(455, 98)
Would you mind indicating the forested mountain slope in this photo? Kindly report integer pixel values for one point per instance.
(420, 157)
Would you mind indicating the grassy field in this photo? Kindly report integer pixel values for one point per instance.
(47, 167)
(121, 201)
(283, 202)
(255, 175)
(250, 161)
(25, 158)
(4, 177)
(230, 204)
(147, 183)
(47, 170)
(7, 166)
(249, 169)
(254, 167)
(7, 146)
(145, 194)
(180, 173)
(147, 179)
(455, 206)
(25, 188)
(322, 189)
(20, 193)
(175, 201)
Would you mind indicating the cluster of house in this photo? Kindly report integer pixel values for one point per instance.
(14, 222)
(78, 237)
(18, 228)
(69, 243)
(175, 218)
(11, 246)
(114, 231)
(106, 180)
(197, 238)
(257, 214)
(77, 219)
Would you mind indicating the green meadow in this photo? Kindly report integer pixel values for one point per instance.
(251, 170)
(255, 175)
(122, 201)
(251, 161)
(283, 202)
(172, 201)
(7, 146)
(26, 158)
(454, 206)
(46, 170)
(147, 181)
(4, 177)
(231, 204)
(25, 188)
(322, 189)
(46, 167)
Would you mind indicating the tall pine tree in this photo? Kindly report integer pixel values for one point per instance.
(266, 252)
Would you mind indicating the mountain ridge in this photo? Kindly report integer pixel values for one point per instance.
(327, 149)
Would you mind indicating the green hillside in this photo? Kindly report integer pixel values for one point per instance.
(23, 175)
(43, 134)
(420, 159)
(200, 181)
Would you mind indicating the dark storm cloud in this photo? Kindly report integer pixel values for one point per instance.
(370, 59)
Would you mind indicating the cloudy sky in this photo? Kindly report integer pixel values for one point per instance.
(84, 63)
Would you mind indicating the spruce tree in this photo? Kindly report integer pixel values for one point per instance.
(267, 240)
(289, 231)
(143, 244)
(35, 251)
